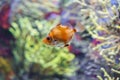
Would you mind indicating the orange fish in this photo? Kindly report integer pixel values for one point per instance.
(60, 35)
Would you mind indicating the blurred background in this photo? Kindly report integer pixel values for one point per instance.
(93, 54)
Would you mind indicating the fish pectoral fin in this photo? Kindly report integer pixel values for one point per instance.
(66, 45)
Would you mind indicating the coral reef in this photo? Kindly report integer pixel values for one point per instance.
(94, 52)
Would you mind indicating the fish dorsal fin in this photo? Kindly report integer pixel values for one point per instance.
(58, 24)
(65, 25)
(69, 25)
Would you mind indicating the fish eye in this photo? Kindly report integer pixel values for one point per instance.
(48, 38)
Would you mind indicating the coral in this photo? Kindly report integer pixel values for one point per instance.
(35, 9)
(29, 49)
(98, 24)
(101, 19)
(5, 35)
(4, 14)
(6, 68)
(107, 76)
(103, 24)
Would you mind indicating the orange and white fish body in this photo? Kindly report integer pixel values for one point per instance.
(59, 36)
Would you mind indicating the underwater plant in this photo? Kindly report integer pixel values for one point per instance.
(101, 18)
(28, 49)
(102, 23)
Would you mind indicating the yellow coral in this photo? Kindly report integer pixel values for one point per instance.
(106, 74)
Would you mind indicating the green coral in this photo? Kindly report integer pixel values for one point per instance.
(51, 59)
(29, 48)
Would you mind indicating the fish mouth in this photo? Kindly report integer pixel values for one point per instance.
(47, 42)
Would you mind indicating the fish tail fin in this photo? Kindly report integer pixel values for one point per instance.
(79, 27)
(74, 30)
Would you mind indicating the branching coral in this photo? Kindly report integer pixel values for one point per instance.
(30, 49)
(106, 32)
(107, 76)
(101, 19)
